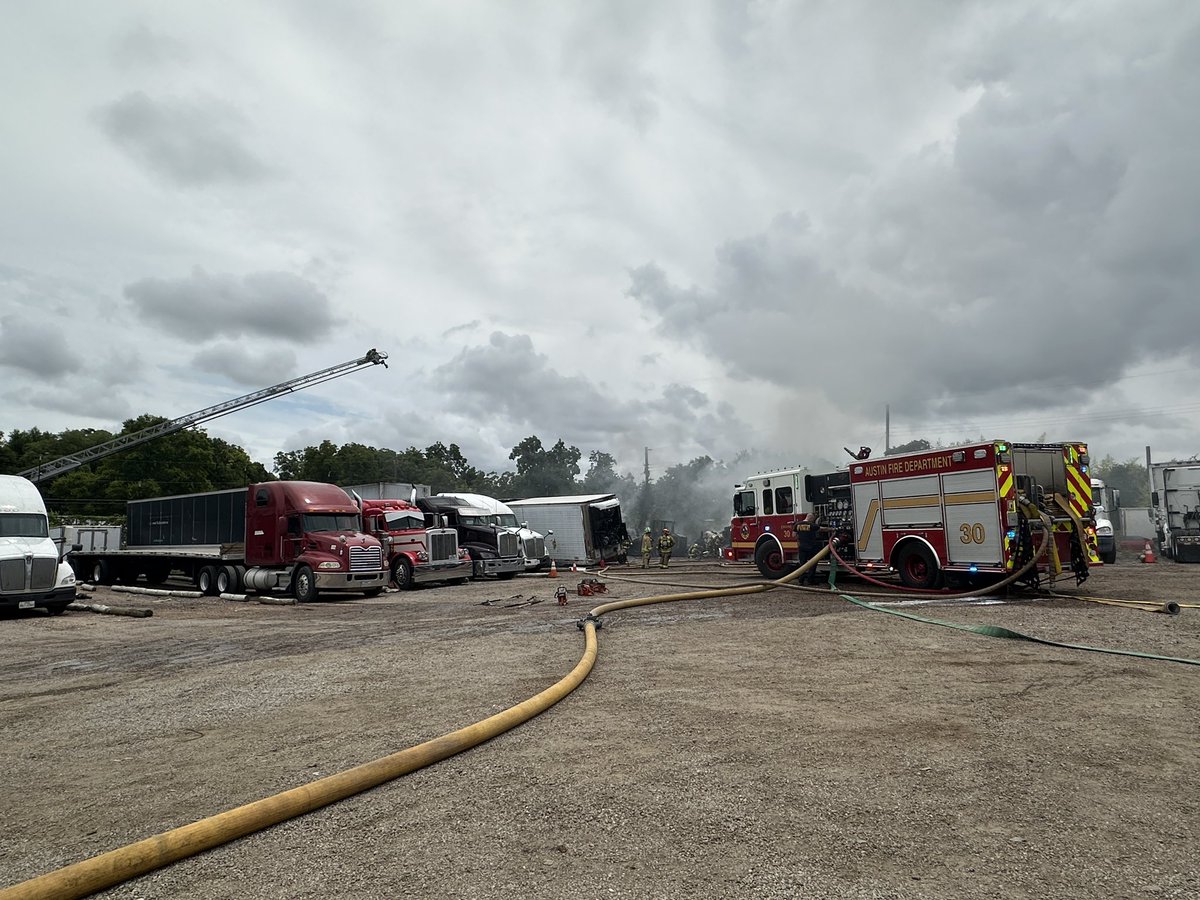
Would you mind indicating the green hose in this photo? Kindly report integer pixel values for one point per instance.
(1000, 632)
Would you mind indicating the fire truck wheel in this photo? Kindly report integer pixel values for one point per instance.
(304, 585)
(769, 559)
(402, 573)
(917, 566)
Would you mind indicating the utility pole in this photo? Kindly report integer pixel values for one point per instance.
(887, 428)
(647, 469)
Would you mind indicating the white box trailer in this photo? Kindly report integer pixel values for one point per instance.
(586, 529)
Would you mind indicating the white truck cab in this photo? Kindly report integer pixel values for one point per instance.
(533, 543)
(1106, 540)
(32, 573)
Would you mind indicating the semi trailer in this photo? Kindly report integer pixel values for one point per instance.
(297, 536)
(587, 529)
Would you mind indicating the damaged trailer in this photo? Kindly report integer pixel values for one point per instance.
(586, 529)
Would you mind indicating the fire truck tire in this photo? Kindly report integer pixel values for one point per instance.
(304, 585)
(402, 573)
(1109, 558)
(917, 566)
(769, 559)
(206, 580)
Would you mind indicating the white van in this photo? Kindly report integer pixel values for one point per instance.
(533, 543)
(32, 573)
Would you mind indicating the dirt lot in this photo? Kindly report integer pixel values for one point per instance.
(779, 745)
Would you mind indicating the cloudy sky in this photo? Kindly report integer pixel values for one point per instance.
(698, 227)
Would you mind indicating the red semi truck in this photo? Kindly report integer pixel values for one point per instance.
(415, 554)
(296, 536)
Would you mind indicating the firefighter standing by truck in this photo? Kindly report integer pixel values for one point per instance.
(647, 548)
(808, 542)
(666, 544)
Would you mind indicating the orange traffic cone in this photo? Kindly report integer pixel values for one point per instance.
(1148, 554)
(553, 570)
(574, 568)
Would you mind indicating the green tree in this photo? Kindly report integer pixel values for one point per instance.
(542, 472)
(1128, 477)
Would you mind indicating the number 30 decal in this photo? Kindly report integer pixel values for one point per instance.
(972, 534)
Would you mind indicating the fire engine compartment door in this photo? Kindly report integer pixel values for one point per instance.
(868, 521)
(973, 531)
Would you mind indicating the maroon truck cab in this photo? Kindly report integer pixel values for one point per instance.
(314, 531)
(415, 554)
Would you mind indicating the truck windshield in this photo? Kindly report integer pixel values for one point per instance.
(474, 520)
(507, 520)
(404, 521)
(23, 525)
(330, 522)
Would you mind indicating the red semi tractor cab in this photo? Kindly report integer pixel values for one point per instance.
(415, 554)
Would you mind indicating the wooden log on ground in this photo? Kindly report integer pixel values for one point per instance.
(111, 610)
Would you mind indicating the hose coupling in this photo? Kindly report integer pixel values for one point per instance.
(595, 620)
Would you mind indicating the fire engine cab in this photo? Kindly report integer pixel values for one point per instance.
(973, 512)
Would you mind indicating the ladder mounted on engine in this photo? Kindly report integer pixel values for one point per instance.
(63, 464)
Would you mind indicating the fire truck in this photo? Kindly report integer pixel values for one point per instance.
(965, 514)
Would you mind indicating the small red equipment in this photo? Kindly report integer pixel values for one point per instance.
(590, 586)
(561, 596)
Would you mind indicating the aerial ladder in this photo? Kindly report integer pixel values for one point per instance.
(46, 471)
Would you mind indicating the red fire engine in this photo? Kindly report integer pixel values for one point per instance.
(959, 512)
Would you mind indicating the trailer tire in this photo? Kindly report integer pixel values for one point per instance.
(56, 609)
(304, 585)
(102, 572)
(917, 566)
(229, 580)
(768, 556)
(206, 580)
(402, 573)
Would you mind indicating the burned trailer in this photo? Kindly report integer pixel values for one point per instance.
(588, 529)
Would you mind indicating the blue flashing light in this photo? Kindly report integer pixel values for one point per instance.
(1084, 469)
(1012, 534)
(766, 528)
(974, 569)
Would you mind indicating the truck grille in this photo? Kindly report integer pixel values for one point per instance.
(535, 548)
(12, 575)
(443, 546)
(508, 544)
(366, 559)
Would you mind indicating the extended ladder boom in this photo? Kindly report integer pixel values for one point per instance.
(91, 454)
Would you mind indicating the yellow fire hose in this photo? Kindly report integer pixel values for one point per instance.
(116, 866)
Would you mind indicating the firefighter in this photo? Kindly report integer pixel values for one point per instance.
(647, 548)
(808, 544)
(666, 544)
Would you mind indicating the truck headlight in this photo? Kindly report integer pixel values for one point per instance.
(1105, 530)
(330, 564)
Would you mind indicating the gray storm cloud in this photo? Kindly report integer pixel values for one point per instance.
(36, 347)
(189, 142)
(203, 307)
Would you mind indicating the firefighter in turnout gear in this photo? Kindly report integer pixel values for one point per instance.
(808, 543)
(647, 548)
(666, 544)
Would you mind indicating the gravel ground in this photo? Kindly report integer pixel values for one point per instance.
(787, 744)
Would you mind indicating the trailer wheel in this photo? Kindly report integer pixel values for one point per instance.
(229, 580)
(102, 572)
(917, 566)
(769, 558)
(402, 573)
(304, 585)
(206, 580)
(158, 572)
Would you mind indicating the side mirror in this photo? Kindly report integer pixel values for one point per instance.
(548, 533)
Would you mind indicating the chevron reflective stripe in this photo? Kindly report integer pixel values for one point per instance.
(1079, 486)
(1004, 478)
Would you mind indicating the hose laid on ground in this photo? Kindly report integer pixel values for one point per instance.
(1000, 632)
(116, 866)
